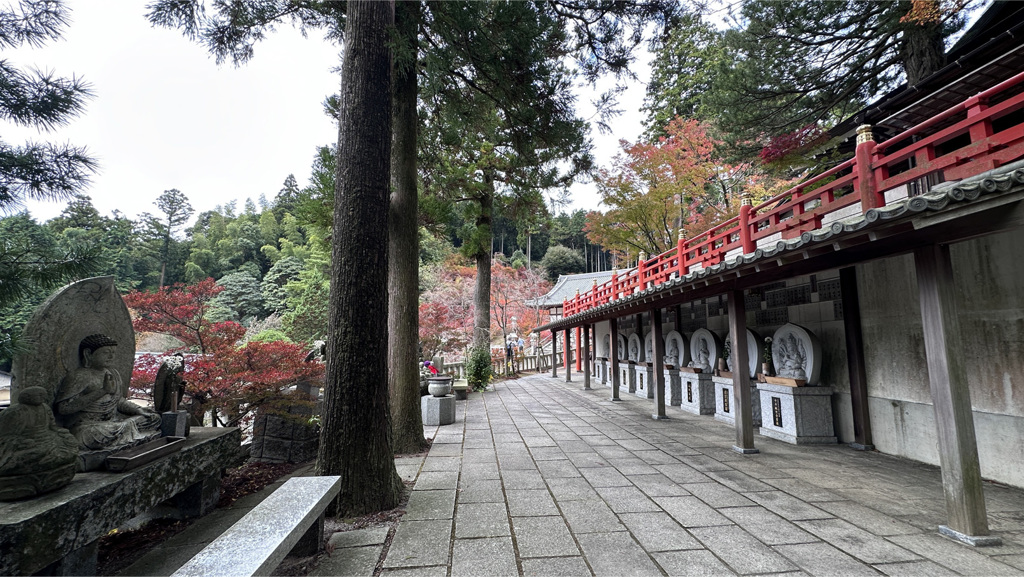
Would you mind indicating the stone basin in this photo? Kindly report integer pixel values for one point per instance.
(147, 452)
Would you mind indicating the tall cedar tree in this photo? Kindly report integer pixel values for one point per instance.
(355, 438)
(34, 170)
(404, 242)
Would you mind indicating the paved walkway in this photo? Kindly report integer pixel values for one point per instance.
(541, 478)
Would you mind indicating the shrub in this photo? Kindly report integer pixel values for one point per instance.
(478, 368)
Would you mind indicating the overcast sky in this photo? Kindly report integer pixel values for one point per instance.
(165, 115)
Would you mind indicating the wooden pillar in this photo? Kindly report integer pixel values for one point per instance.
(613, 340)
(679, 319)
(741, 374)
(586, 357)
(579, 349)
(954, 421)
(659, 365)
(855, 360)
(554, 353)
(568, 355)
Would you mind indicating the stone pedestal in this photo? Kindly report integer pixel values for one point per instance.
(673, 387)
(438, 410)
(697, 393)
(725, 409)
(174, 424)
(797, 415)
(643, 375)
(627, 377)
(601, 371)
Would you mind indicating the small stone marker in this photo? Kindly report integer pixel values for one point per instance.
(438, 410)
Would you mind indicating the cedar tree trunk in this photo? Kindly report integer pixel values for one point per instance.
(482, 290)
(404, 249)
(355, 436)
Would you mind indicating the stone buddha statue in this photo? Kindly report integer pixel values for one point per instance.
(36, 456)
(702, 361)
(91, 402)
(672, 358)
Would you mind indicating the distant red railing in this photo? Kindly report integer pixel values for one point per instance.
(979, 137)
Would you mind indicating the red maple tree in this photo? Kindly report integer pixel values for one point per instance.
(235, 379)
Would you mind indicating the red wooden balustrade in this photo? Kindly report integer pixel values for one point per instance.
(982, 133)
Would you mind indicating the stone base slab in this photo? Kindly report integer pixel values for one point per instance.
(643, 375)
(437, 410)
(696, 393)
(797, 415)
(972, 540)
(58, 526)
(723, 391)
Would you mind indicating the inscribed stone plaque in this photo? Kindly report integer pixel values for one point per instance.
(689, 392)
(777, 412)
(725, 400)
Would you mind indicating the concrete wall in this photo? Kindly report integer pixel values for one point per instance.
(990, 298)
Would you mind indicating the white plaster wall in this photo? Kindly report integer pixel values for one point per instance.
(990, 300)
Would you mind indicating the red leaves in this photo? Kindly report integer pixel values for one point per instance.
(239, 378)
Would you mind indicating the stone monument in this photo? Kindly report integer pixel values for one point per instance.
(36, 456)
(83, 353)
(705, 348)
(676, 355)
(630, 376)
(753, 352)
(793, 413)
(697, 390)
(796, 353)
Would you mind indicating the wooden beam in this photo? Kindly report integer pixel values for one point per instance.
(954, 419)
(554, 354)
(659, 365)
(613, 340)
(741, 374)
(568, 355)
(855, 360)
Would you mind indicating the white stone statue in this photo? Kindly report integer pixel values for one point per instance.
(796, 353)
(702, 361)
(793, 357)
(672, 358)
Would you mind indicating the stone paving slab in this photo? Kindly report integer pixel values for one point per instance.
(353, 561)
(543, 537)
(557, 567)
(474, 557)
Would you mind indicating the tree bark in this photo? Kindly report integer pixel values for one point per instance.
(482, 290)
(404, 249)
(922, 50)
(355, 436)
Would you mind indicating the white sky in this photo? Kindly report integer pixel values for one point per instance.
(166, 116)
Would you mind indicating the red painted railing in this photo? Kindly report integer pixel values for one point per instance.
(981, 133)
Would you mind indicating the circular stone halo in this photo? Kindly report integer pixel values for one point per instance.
(753, 356)
(635, 339)
(681, 345)
(812, 349)
(714, 346)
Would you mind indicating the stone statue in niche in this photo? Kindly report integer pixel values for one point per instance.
(607, 346)
(672, 358)
(792, 356)
(169, 387)
(702, 360)
(36, 456)
(92, 402)
(634, 352)
(648, 353)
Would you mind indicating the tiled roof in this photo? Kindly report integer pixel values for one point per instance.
(567, 286)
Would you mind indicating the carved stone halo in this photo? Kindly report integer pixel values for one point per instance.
(753, 354)
(684, 350)
(649, 348)
(714, 345)
(606, 352)
(795, 345)
(622, 348)
(634, 339)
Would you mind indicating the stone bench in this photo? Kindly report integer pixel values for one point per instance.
(290, 519)
(57, 533)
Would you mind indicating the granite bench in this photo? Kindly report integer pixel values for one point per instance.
(291, 519)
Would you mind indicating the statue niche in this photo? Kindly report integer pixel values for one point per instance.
(92, 403)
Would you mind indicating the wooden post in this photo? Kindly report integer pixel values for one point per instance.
(741, 374)
(566, 351)
(586, 357)
(855, 360)
(554, 353)
(681, 253)
(746, 239)
(579, 349)
(865, 175)
(613, 340)
(659, 365)
(954, 420)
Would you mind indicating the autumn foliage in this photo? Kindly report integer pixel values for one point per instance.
(233, 378)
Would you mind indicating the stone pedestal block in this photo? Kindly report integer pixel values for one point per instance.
(174, 424)
(438, 410)
(627, 378)
(674, 387)
(797, 415)
(643, 375)
(725, 409)
(696, 393)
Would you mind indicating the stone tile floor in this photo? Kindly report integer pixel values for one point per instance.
(539, 477)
